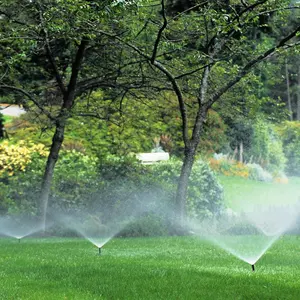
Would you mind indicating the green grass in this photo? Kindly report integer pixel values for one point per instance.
(7, 119)
(144, 268)
(239, 191)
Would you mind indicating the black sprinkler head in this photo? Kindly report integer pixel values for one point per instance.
(253, 268)
(99, 250)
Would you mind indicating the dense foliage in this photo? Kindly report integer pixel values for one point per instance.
(182, 76)
(266, 148)
(15, 157)
(290, 135)
(112, 189)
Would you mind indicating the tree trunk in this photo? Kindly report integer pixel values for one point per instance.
(241, 151)
(57, 141)
(288, 90)
(182, 187)
(190, 149)
(235, 152)
(298, 95)
(61, 120)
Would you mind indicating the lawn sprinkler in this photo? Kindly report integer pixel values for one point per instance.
(99, 250)
(19, 240)
(253, 268)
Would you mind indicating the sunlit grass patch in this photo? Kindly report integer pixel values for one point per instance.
(144, 268)
(239, 191)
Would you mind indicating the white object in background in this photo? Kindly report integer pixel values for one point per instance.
(150, 158)
(11, 110)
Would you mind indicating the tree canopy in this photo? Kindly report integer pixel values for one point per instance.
(94, 58)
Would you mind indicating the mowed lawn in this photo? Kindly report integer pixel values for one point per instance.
(240, 192)
(144, 268)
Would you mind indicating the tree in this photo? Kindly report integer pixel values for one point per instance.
(298, 94)
(280, 75)
(49, 46)
(202, 52)
(199, 52)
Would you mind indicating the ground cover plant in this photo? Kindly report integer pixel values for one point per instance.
(144, 268)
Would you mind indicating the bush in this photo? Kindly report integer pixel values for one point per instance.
(20, 174)
(266, 148)
(115, 189)
(124, 187)
(228, 167)
(290, 135)
(214, 137)
(5, 200)
(22, 128)
(148, 225)
(205, 194)
(15, 158)
(258, 173)
(74, 180)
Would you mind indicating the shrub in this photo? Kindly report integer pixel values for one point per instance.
(75, 181)
(256, 172)
(266, 148)
(290, 135)
(147, 225)
(5, 200)
(229, 167)
(214, 137)
(205, 194)
(115, 188)
(129, 188)
(15, 158)
(22, 128)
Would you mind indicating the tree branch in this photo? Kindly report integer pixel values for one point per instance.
(49, 53)
(179, 95)
(190, 9)
(170, 77)
(159, 34)
(4, 13)
(247, 68)
(69, 97)
(30, 97)
(196, 70)
(236, 18)
(201, 113)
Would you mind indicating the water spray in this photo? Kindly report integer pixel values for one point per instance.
(253, 268)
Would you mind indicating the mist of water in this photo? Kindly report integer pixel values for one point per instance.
(90, 227)
(248, 234)
(19, 226)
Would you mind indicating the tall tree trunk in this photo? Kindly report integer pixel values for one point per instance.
(186, 169)
(182, 186)
(57, 141)
(288, 90)
(191, 148)
(68, 101)
(241, 151)
(298, 95)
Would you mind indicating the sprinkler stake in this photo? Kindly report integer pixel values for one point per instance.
(19, 240)
(99, 250)
(253, 268)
